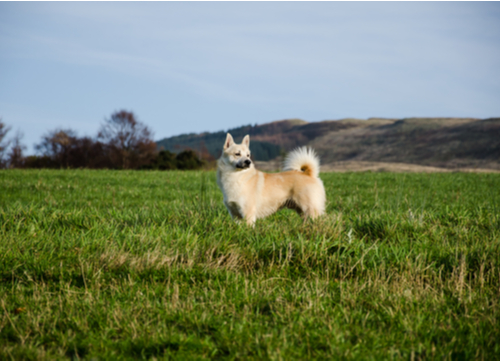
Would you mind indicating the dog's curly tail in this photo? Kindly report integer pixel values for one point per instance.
(303, 160)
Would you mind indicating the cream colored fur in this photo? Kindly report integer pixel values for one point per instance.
(250, 194)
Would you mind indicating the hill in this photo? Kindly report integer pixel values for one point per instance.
(268, 140)
(436, 142)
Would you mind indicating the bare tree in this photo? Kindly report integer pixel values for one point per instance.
(57, 145)
(4, 144)
(15, 156)
(130, 142)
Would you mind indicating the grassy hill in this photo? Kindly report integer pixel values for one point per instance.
(445, 143)
(438, 142)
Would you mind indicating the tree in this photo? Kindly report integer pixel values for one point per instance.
(57, 145)
(61, 148)
(88, 153)
(16, 158)
(4, 144)
(129, 142)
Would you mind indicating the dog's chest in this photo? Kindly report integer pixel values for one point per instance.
(234, 186)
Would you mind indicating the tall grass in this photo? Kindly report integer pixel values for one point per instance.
(117, 264)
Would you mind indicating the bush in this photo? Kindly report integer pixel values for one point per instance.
(166, 160)
(188, 160)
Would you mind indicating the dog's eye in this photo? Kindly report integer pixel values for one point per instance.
(238, 154)
(248, 155)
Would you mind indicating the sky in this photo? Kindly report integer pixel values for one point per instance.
(186, 67)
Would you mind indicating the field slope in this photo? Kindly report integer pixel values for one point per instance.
(143, 265)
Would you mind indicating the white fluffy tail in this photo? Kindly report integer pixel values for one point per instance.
(303, 160)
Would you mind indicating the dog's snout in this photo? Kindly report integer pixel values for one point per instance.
(243, 164)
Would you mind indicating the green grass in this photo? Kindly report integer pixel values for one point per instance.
(129, 265)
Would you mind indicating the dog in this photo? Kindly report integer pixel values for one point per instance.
(250, 194)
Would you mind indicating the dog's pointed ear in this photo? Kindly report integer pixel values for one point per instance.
(229, 141)
(246, 141)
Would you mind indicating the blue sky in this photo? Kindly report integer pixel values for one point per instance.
(203, 66)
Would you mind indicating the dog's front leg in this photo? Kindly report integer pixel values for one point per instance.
(250, 215)
(250, 219)
(238, 213)
(234, 211)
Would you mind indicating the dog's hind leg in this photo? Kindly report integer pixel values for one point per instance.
(312, 204)
(313, 211)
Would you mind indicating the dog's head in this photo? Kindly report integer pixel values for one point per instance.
(237, 155)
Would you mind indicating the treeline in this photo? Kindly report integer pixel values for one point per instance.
(122, 142)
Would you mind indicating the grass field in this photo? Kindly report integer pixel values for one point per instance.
(117, 265)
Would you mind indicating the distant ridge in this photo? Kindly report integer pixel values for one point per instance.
(436, 142)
